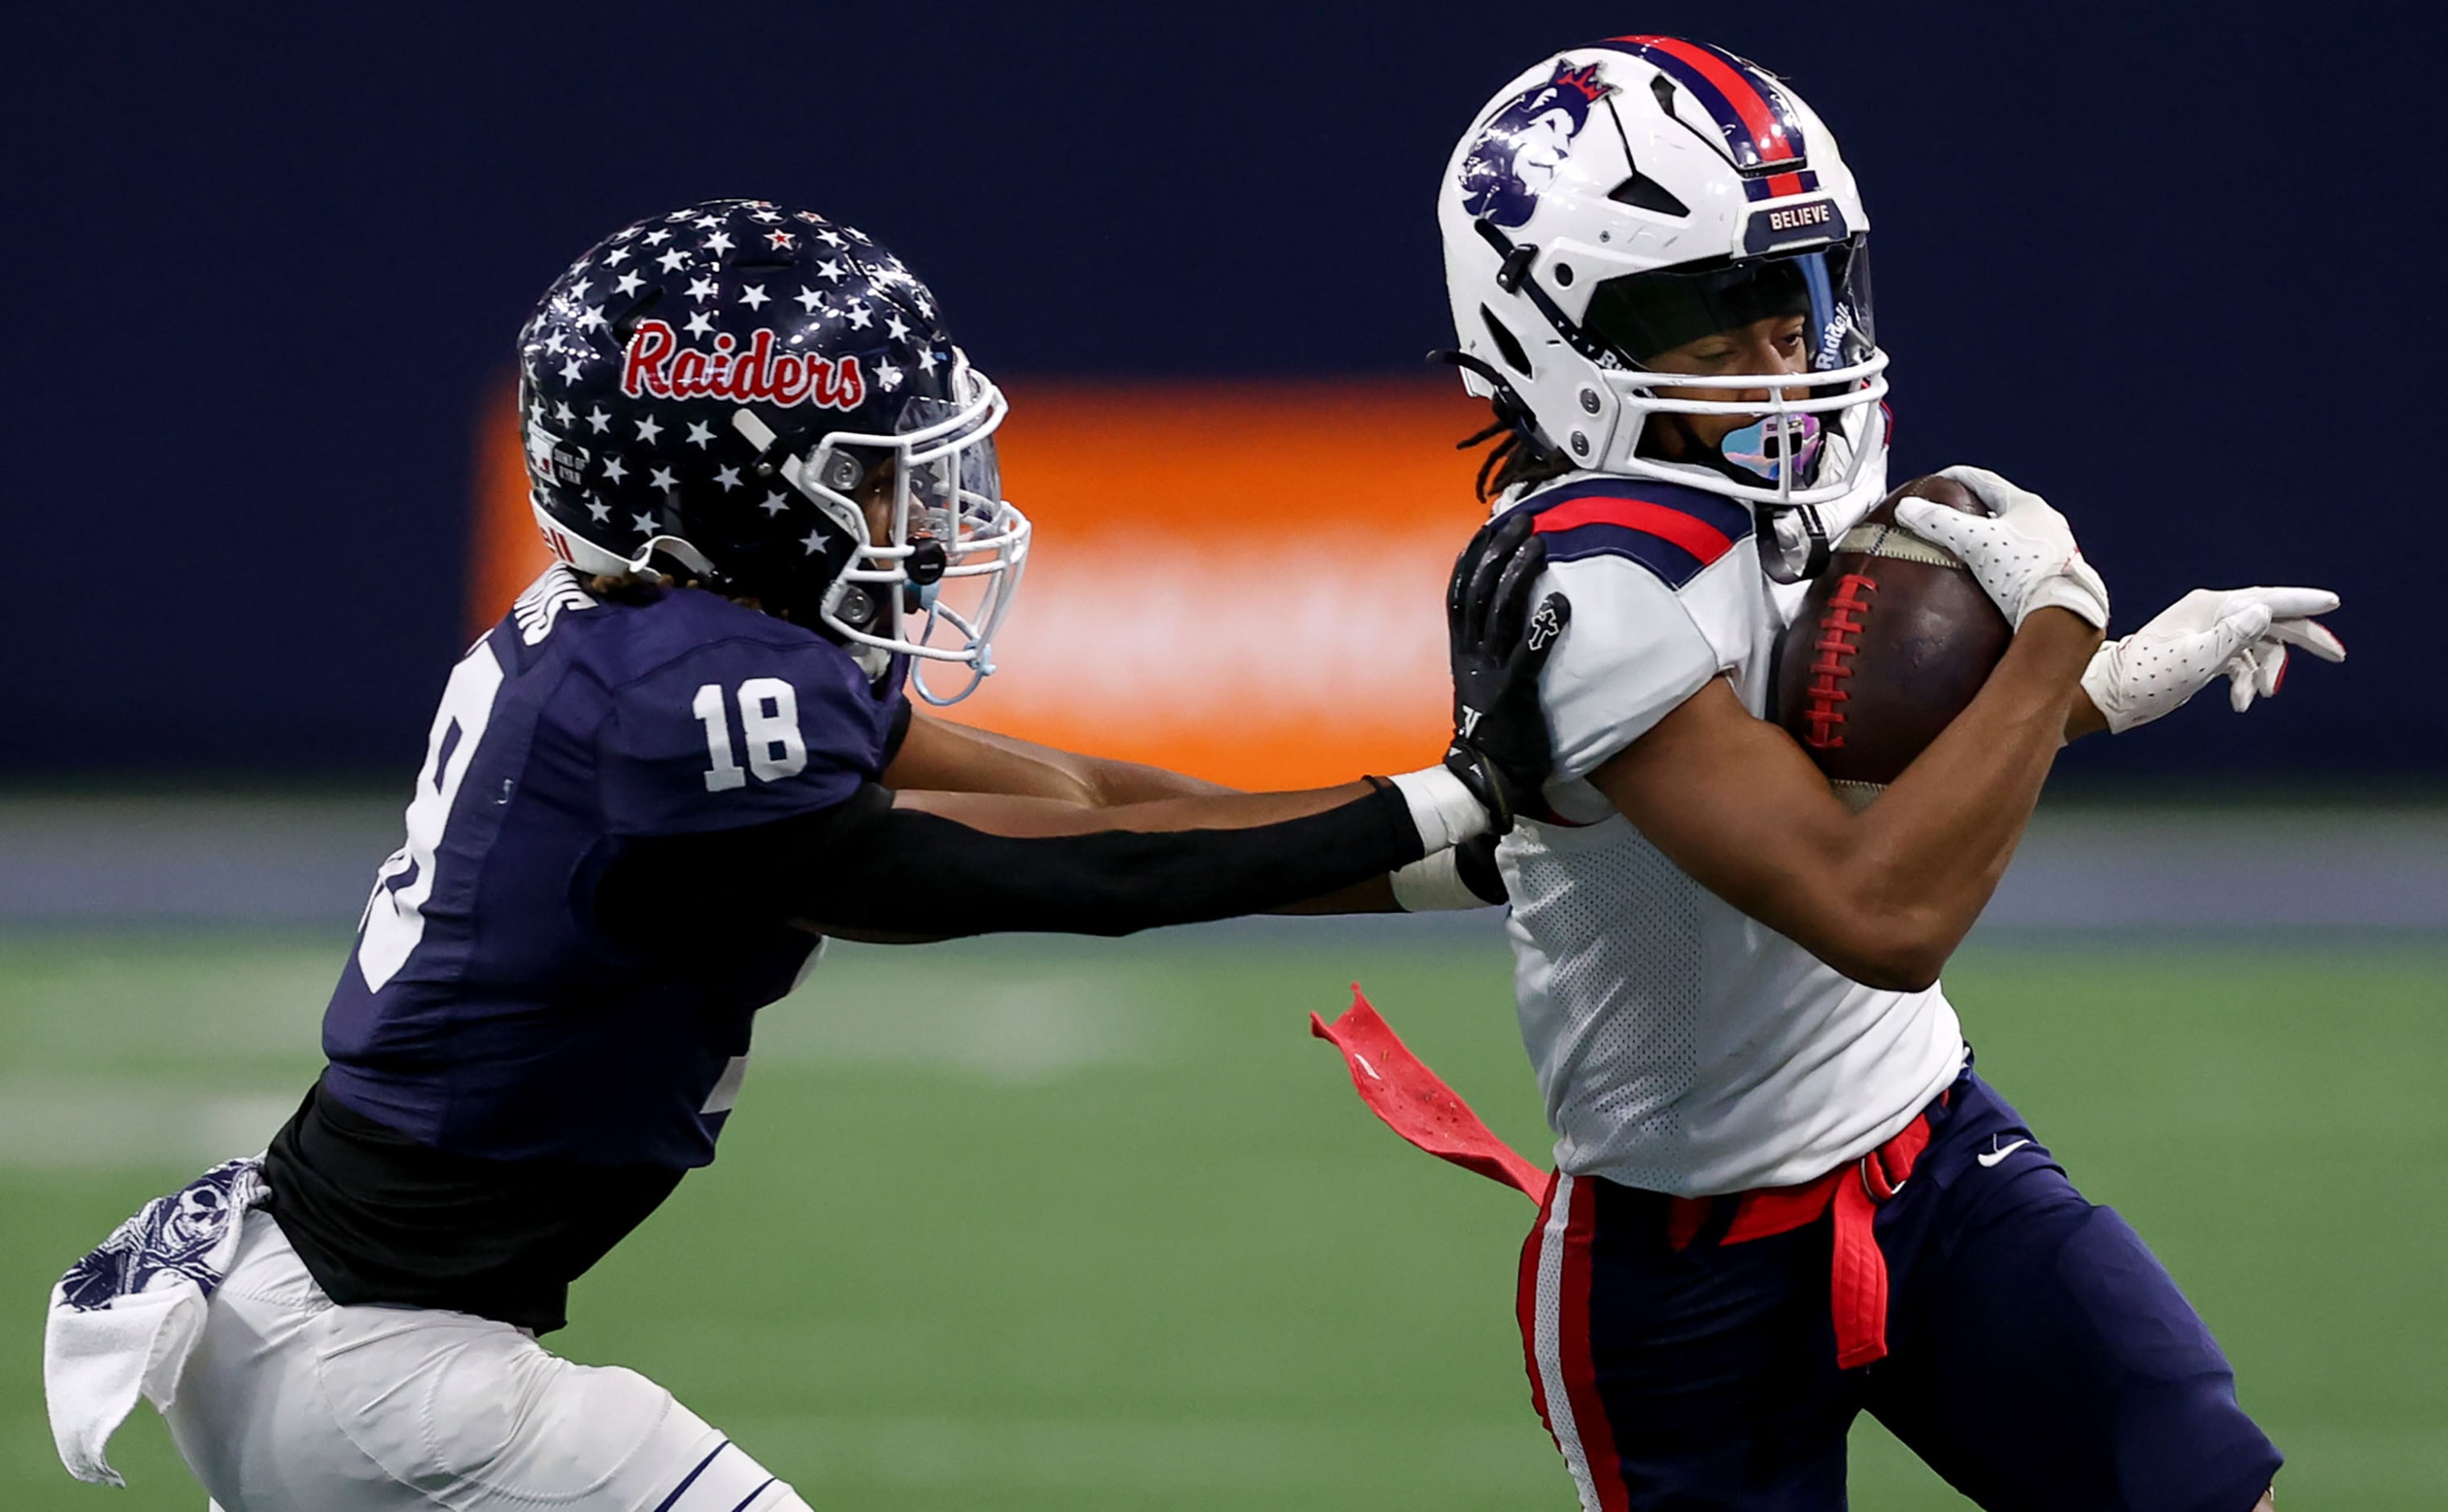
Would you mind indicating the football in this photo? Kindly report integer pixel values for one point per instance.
(1892, 642)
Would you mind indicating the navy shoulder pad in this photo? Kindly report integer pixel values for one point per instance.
(1673, 531)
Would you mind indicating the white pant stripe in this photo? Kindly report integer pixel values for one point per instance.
(1548, 1333)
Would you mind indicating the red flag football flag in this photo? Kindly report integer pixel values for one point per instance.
(1416, 1105)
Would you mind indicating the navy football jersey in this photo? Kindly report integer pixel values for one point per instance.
(483, 1012)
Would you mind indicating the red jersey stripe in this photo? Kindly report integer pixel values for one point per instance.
(1698, 537)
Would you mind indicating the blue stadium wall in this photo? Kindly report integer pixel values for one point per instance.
(2168, 264)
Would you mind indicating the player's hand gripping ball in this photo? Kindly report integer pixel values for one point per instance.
(1892, 642)
(2021, 551)
(1499, 644)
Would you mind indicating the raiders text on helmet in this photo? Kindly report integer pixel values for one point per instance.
(724, 386)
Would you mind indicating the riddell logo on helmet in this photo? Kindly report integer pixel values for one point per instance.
(656, 364)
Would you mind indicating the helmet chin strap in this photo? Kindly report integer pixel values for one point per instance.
(1786, 530)
(1792, 528)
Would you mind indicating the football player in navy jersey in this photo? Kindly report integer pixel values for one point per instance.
(682, 757)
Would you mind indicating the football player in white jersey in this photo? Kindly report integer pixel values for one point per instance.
(1784, 1197)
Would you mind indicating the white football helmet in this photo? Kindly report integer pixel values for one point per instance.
(1622, 199)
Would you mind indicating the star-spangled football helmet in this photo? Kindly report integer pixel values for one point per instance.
(1619, 200)
(717, 387)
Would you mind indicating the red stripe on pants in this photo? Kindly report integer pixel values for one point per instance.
(1525, 1311)
(1573, 1346)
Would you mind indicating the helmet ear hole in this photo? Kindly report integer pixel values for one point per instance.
(1507, 345)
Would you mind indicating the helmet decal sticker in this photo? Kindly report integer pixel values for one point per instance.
(1754, 121)
(1757, 123)
(655, 363)
(1523, 145)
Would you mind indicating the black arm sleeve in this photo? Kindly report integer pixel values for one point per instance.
(868, 865)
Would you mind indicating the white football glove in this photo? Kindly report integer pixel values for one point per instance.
(2022, 552)
(2241, 634)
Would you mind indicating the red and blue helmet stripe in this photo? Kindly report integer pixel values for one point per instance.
(1760, 127)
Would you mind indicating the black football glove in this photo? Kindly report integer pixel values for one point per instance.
(1497, 645)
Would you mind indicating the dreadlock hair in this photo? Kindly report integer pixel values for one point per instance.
(1518, 456)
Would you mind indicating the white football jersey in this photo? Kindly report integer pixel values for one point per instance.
(1680, 1045)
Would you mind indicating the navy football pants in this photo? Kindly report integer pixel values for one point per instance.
(2040, 1356)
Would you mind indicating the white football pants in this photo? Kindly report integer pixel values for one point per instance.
(294, 1404)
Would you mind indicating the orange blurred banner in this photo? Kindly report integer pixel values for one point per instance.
(1241, 581)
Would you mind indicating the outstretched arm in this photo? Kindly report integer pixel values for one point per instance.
(934, 864)
(941, 757)
(1002, 785)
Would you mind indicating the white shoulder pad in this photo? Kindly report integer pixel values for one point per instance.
(1630, 655)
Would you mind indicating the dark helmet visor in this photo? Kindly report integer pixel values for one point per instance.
(1645, 314)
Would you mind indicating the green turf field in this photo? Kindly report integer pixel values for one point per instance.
(1039, 1226)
